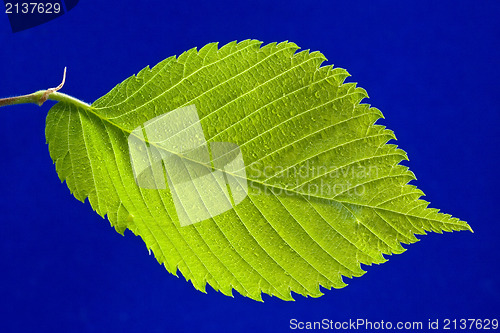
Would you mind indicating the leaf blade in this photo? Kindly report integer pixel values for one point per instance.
(286, 113)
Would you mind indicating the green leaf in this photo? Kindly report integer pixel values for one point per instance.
(325, 194)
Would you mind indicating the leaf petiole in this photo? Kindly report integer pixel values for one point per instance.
(39, 97)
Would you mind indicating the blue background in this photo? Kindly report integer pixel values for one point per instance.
(432, 67)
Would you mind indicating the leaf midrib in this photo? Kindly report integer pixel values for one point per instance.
(92, 111)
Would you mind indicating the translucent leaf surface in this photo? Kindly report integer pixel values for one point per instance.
(309, 191)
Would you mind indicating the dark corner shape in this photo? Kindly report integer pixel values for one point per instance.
(25, 14)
